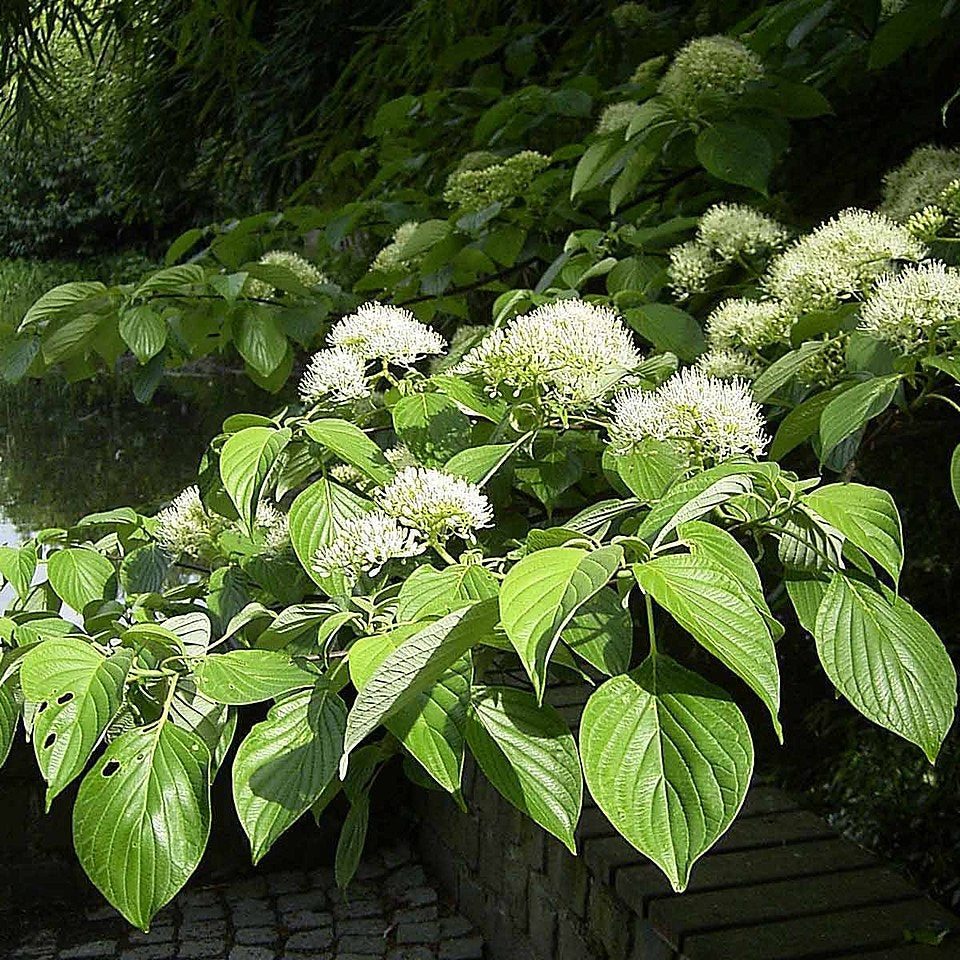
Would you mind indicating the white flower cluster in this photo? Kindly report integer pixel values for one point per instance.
(709, 419)
(617, 116)
(649, 70)
(185, 527)
(475, 189)
(727, 232)
(748, 324)
(438, 504)
(272, 525)
(715, 66)
(839, 260)
(301, 268)
(364, 544)
(571, 350)
(918, 181)
(915, 307)
(393, 255)
(727, 363)
(375, 332)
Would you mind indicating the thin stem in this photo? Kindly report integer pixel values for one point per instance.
(444, 555)
(651, 629)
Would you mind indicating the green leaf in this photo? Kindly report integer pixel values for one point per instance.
(590, 167)
(249, 676)
(69, 338)
(527, 752)
(260, 341)
(785, 369)
(955, 474)
(145, 569)
(142, 818)
(801, 423)
(736, 153)
(292, 622)
(316, 517)
(601, 632)
(9, 718)
(16, 357)
(245, 463)
(285, 763)
(78, 692)
(808, 541)
(181, 245)
(143, 331)
(172, 280)
(214, 723)
(540, 595)
(471, 396)
(432, 426)
(887, 661)
(669, 329)
(79, 576)
(427, 234)
(649, 468)
(67, 299)
(668, 758)
(478, 464)
(18, 565)
(720, 549)
(721, 616)
(853, 408)
(353, 837)
(429, 592)
(868, 517)
(353, 446)
(415, 665)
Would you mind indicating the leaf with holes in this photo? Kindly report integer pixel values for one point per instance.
(540, 595)
(78, 692)
(285, 763)
(79, 576)
(249, 676)
(887, 661)
(721, 616)
(245, 462)
(528, 753)
(668, 757)
(142, 818)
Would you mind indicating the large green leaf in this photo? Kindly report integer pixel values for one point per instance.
(316, 517)
(260, 341)
(18, 565)
(720, 615)
(736, 153)
(292, 622)
(601, 632)
(78, 692)
(649, 468)
(854, 408)
(245, 463)
(668, 757)
(432, 426)
(142, 818)
(143, 330)
(415, 665)
(808, 541)
(668, 328)
(352, 445)
(541, 594)
(69, 338)
(214, 723)
(66, 299)
(429, 592)
(477, 464)
(79, 576)
(285, 762)
(782, 371)
(720, 549)
(249, 676)
(955, 474)
(9, 717)
(887, 661)
(868, 517)
(528, 753)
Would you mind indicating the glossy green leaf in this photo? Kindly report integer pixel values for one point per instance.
(142, 818)
(18, 565)
(353, 446)
(249, 676)
(432, 426)
(540, 595)
(79, 576)
(868, 517)
(720, 615)
(78, 692)
(668, 328)
(245, 463)
(649, 468)
(63, 300)
(601, 632)
(720, 549)
(214, 723)
(782, 371)
(737, 154)
(668, 758)
(854, 408)
(292, 622)
(260, 341)
(887, 661)
(145, 570)
(69, 338)
(9, 719)
(285, 762)
(528, 753)
(477, 464)
(143, 330)
(808, 541)
(429, 592)
(353, 838)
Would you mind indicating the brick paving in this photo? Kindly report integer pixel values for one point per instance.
(390, 912)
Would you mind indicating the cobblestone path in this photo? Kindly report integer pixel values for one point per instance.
(390, 912)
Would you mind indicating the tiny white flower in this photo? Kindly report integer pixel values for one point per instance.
(185, 527)
(272, 524)
(749, 324)
(381, 332)
(572, 350)
(734, 229)
(914, 307)
(439, 504)
(711, 419)
(919, 180)
(727, 363)
(364, 544)
(692, 265)
(336, 374)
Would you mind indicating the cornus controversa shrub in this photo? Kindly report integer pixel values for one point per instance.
(397, 566)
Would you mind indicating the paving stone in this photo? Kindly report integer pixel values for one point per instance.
(411, 953)
(201, 949)
(324, 878)
(252, 953)
(401, 881)
(415, 914)
(95, 948)
(361, 946)
(161, 934)
(395, 855)
(199, 898)
(252, 887)
(41, 944)
(369, 927)
(203, 930)
(418, 932)
(256, 935)
(418, 896)
(311, 900)
(469, 948)
(290, 881)
(102, 913)
(148, 951)
(252, 913)
(311, 940)
(358, 908)
(306, 919)
(451, 927)
(206, 911)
